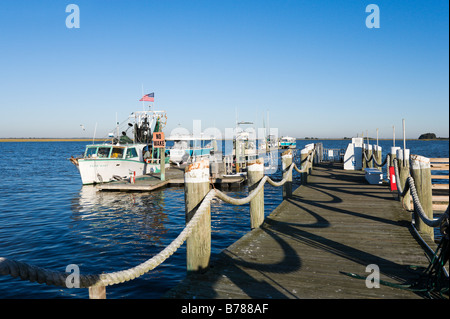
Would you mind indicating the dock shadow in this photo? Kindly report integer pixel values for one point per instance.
(235, 275)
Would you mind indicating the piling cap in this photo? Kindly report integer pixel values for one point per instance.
(400, 154)
(419, 162)
(197, 165)
(304, 151)
(257, 165)
(197, 172)
(287, 153)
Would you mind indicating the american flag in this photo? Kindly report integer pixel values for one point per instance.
(148, 97)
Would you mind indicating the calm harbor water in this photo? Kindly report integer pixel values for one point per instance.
(48, 219)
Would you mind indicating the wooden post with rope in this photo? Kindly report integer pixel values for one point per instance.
(198, 244)
(369, 155)
(304, 165)
(421, 173)
(403, 168)
(377, 151)
(255, 171)
(286, 161)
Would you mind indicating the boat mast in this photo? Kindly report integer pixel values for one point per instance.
(117, 129)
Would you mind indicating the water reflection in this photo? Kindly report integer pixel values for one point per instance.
(130, 217)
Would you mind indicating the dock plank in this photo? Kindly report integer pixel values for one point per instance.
(336, 223)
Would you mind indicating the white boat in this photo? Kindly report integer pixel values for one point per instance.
(123, 157)
(288, 142)
(187, 147)
(244, 143)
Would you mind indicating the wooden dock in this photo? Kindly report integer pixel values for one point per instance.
(336, 223)
(174, 176)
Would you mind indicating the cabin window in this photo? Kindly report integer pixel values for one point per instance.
(103, 152)
(117, 152)
(131, 152)
(90, 152)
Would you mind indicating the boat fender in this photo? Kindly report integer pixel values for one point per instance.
(392, 181)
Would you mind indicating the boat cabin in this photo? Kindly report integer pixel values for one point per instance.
(111, 151)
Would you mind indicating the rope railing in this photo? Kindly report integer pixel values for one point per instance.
(246, 200)
(436, 275)
(372, 158)
(33, 273)
(410, 185)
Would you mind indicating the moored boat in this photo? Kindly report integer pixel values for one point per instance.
(122, 157)
(186, 147)
(288, 142)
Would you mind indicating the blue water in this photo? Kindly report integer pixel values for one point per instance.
(49, 220)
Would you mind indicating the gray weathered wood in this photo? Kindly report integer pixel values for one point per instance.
(97, 292)
(198, 244)
(369, 155)
(304, 165)
(403, 167)
(421, 173)
(377, 153)
(286, 161)
(255, 172)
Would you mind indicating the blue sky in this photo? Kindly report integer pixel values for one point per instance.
(314, 65)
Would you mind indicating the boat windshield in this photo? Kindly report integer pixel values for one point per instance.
(90, 152)
(131, 152)
(117, 152)
(108, 152)
(103, 152)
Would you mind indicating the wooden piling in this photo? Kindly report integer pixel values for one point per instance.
(364, 151)
(286, 161)
(310, 148)
(255, 172)
(198, 244)
(163, 164)
(369, 155)
(403, 168)
(304, 165)
(421, 173)
(97, 292)
(393, 154)
(377, 154)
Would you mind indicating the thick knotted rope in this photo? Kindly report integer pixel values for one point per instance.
(410, 185)
(375, 160)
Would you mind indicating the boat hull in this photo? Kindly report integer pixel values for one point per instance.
(94, 171)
